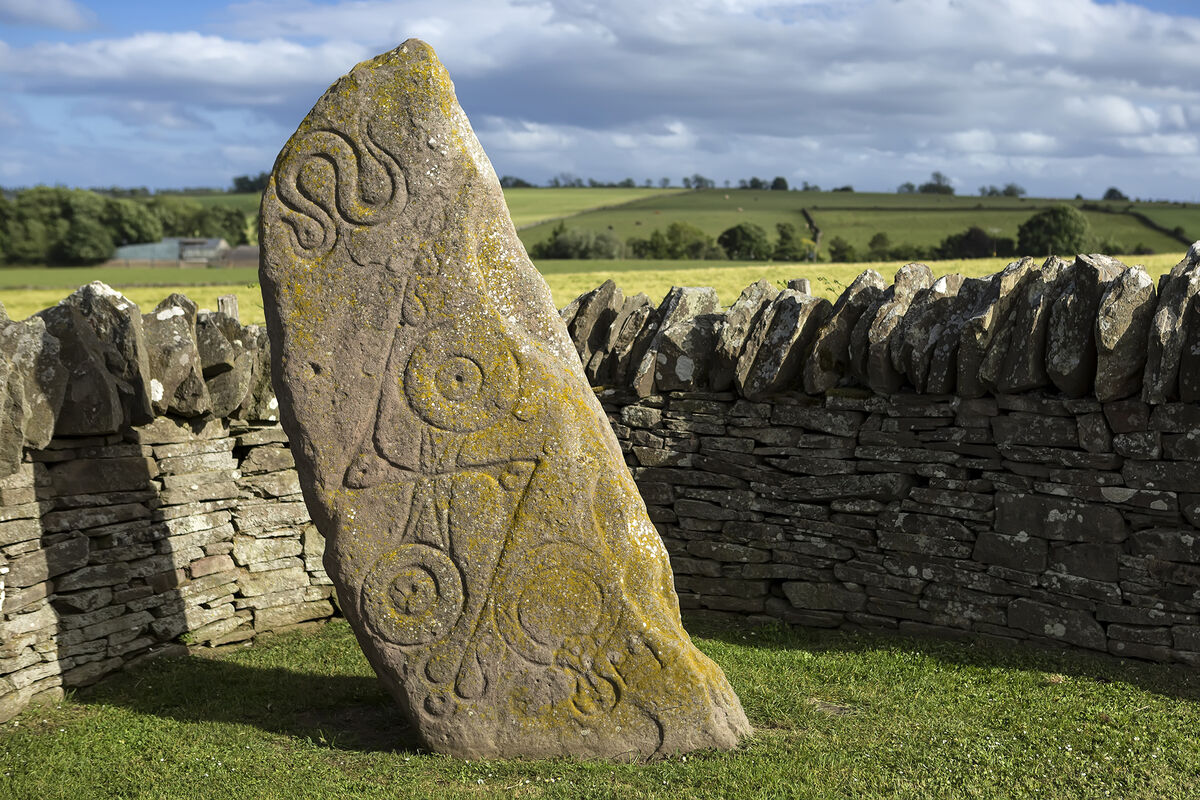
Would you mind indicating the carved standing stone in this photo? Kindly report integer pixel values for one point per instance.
(489, 546)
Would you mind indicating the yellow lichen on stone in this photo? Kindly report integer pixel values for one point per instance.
(482, 529)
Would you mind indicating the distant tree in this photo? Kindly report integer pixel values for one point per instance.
(809, 187)
(701, 182)
(688, 241)
(1061, 230)
(937, 184)
(745, 242)
(1013, 190)
(880, 247)
(130, 222)
(908, 187)
(1113, 193)
(567, 242)
(791, 245)
(247, 184)
(841, 251)
(687, 181)
(743, 183)
(989, 191)
(756, 183)
(974, 242)
(648, 183)
(87, 241)
(513, 182)
(846, 188)
(627, 183)
(780, 184)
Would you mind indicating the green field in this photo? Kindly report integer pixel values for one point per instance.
(836, 716)
(527, 206)
(922, 220)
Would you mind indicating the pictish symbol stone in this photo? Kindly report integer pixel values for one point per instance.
(485, 536)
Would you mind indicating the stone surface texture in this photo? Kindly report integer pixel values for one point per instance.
(488, 543)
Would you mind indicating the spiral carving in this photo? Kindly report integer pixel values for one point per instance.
(329, 180)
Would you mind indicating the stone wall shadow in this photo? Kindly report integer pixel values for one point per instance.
(1169, 680)
(343, 712)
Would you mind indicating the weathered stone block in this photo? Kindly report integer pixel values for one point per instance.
(1074, 626)
(823, 596)
(1059, 519)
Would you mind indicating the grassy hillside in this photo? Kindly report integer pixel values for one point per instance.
(527, 206)
(856, 217)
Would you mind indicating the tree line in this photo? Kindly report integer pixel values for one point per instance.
(680, 241)
(57, 225)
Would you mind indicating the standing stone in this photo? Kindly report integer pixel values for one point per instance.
(981, 327)
(916, 335)
(225, 363)
(488, 544)
(1071, 337)
(594, 317)
(37, 380)
(1122, 326)
(830, 362)
(739, 320)
(1160, 382)
(176, 370)
(609, 365)
(1016, 358)
(685, 352)
(117, 323)
(786, 343)
(681, 304)
(870, 341)
(972, 297)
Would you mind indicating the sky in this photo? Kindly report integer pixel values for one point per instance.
(1063, 97)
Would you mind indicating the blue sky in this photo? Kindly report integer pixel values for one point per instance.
(1062, 97)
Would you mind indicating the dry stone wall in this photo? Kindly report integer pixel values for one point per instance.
(149, 499)
(1016, 456)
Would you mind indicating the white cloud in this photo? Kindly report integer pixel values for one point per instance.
(61, 14)
(869, 92)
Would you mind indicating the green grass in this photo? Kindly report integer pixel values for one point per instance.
(527, 206)
(1171, 216)
(836, 716)
(531, 206)
(856, 217)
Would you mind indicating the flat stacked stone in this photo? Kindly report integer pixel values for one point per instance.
(486, 539)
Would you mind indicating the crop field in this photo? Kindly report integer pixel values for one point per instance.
(26, 291)
(1171, 216)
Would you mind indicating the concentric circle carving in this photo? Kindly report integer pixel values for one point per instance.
(556, 595)
(413, 595)
(460, 380)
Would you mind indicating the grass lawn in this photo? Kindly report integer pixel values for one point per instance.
(302, 716)
(567, 280)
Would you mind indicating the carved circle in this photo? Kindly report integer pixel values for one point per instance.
(461, 380)
(413, 595)
(556, 595)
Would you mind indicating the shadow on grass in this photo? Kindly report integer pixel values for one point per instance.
(343, 712)
(1170, 680)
